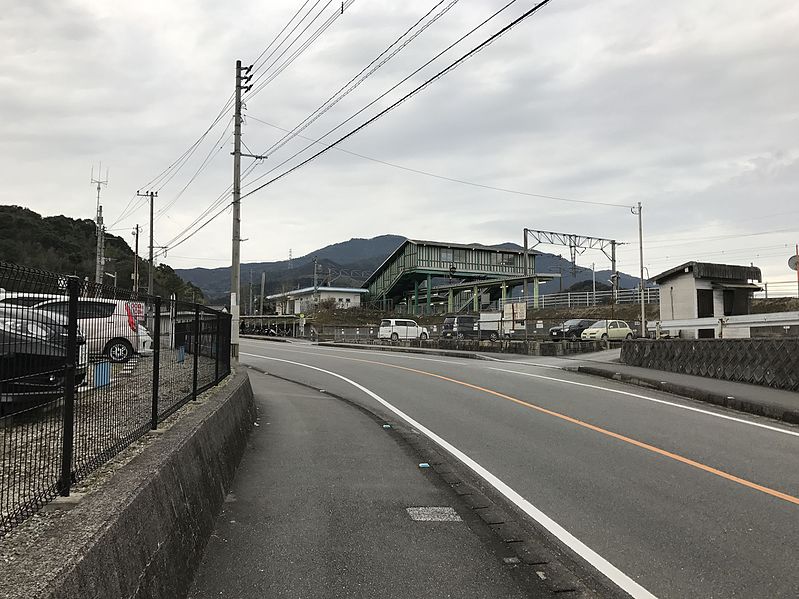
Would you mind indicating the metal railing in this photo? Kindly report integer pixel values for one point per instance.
(584, 299)
(85, 370)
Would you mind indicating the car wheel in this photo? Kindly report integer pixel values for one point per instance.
(423, 336)
(394, 337)
(459, 336)
(574, 337)
(119, 350)
(629, 336)
(604, 336)
(493, 337)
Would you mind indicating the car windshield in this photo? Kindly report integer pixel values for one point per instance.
(449, 320)
(571, 323)
(600, 324)
(385, 323)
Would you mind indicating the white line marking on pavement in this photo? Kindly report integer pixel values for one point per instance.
(602, 565)
(327, 350)
(654, 400)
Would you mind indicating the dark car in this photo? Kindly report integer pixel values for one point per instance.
(33, 353)
(459, 327)
(570, 330)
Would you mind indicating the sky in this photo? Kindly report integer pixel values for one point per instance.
(691, 108)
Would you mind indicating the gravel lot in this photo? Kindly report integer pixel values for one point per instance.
(107, 419)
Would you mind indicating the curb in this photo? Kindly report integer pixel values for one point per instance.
(727, 401)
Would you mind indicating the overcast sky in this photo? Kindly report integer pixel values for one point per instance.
(691, 108)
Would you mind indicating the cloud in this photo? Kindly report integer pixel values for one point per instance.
(687, 107)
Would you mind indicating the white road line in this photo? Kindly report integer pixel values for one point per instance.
(654, 400)
(619, 578)
(373, 352)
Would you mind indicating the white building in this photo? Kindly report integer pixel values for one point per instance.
(697, 290)
(300, 301)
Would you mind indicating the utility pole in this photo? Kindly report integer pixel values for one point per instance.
(242, 77)
(637, 211)
(593, 283)
(152, 195)
(263, 285)
(136, 260)
(251, 298)
(100, 258)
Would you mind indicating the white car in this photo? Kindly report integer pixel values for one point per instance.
(613, 330)
(112, 327)
(395, 329)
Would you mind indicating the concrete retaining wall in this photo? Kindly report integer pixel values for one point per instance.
(142, 533)
(767, 362)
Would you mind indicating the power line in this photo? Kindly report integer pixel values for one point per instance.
(322, 28)
(385, 93)
(338, 95)
(255, 65)
(410, 94)
(213, 152)
(444, 177)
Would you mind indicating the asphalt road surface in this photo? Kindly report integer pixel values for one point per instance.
(661, 496)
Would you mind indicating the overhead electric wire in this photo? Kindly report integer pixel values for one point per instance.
(444, 177)
(212, 153)
(294, 41)
(305, 45)
(255, 65)
(429, 81)
(392, 88)
(341, 93)
(410, 94)
(171, 170)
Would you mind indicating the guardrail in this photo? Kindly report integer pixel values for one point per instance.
(585, 299)
(745, 321)
(85, 370)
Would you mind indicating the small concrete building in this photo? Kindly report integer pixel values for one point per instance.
(300, 301)
(703, 290)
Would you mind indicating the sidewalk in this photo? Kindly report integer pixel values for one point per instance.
(754, 399)
(319, 508)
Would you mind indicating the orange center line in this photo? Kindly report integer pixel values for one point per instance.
(598, 429)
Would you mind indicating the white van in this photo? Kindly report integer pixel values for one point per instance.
(395, 329)
(112, 328)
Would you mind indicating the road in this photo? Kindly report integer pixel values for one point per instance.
(664, 497)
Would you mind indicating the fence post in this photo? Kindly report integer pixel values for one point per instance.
(218, 343)
(156, 360)
(68, 438)
(196, 344)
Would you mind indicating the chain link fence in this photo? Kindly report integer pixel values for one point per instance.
(85, 370)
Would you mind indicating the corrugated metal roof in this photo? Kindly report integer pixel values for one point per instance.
(309, 290)
(709, 270)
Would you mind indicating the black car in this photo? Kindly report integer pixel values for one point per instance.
(570, 330)
(459, 327)
(33, 353)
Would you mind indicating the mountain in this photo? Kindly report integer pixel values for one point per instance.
(68, 246)
(337, 262)
(354, 255)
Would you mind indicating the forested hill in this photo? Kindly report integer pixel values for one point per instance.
(67, 246)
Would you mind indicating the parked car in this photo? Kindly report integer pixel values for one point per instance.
(459, 327)
(33, 353)
(571, 329)
(607, 329)
(112, 328)
(399, 328)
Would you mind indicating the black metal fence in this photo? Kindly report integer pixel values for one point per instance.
(86, 369)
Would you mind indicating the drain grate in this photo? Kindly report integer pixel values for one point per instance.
(433, 514)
